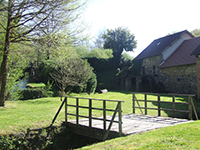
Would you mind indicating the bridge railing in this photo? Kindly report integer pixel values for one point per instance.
(158, 101)
(78, 107)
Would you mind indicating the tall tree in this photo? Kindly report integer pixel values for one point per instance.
(98, 41)
(25, 19)
(118, 40)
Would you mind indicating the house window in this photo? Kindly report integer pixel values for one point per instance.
(143, 70)
(154, 70)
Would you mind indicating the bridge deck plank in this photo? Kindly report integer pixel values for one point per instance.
(134, 123)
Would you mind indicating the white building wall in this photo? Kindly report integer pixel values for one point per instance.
(170, 50)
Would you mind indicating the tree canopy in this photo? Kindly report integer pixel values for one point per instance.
(196, 32)
(31, 20)
(118, 40)
(98, 53)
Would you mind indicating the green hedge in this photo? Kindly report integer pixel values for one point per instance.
(26, 94)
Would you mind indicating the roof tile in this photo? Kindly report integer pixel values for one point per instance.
(158, 45)
(182, 56)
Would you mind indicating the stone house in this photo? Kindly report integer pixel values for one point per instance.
(166, 65)
(196, 52)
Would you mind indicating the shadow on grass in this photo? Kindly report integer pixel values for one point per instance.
(183, 107)
(49, 138)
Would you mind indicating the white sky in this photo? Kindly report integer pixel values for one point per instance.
(146, 19)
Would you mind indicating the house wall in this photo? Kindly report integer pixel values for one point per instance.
(198, 76)
(168, 51)
(151, 66)
(178, 79)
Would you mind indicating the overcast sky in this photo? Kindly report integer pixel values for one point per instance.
(146, 19)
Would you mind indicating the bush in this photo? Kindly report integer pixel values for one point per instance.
(6, 143)
(26, 94)
(72, 75)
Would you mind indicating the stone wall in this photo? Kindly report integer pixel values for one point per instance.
(151, 66)
(198, 76)
(179, 79)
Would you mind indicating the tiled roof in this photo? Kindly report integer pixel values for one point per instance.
(196, 51)
(158, 45)
(182, 56)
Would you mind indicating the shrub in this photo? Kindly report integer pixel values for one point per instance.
(26, 94)
(6, 143)
(71, 75)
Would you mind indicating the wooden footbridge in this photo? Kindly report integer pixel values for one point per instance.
(110, 124)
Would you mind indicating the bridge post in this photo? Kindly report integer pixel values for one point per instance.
(90, 113)
(173, 104)
(133, 103)
(104, 115)
(158, 104)
(190, 107)
(120, 118)
(145, 103)
(65, 110)
(77, 111)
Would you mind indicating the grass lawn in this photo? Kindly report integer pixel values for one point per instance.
(183, 136)
(18, 116)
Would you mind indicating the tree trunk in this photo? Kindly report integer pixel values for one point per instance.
(4, 69)
(4, 77)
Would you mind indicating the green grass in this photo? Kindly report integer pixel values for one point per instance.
(36, 85)
(183, 136)
(17, 116)
(20, 115)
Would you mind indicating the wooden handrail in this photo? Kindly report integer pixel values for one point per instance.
(174, 110)
(162, 101)
(90, 108)
(148, 93)
(96, 99)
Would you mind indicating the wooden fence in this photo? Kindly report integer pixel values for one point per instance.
(159, 108)
(90, 117)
